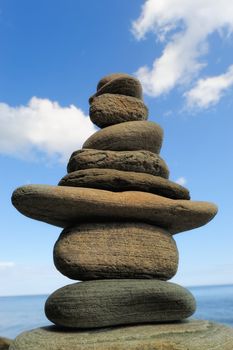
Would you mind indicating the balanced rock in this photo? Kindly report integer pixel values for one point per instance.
(119, 84)
(110, 109)
(187, 335)
(65, 206)
(135, 161)
(107, 78)
(116, 250)
(104, 303)
(118, 181)
(128, 136)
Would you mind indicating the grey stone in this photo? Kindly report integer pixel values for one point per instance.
(116, 250)
(118, 181)
(128, 136)
(135, 161)
(187, 335)
(119, 84)
(110, 109)
(64, 206)
(106, 303)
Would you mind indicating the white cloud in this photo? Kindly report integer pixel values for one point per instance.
(181, 181)
(42, 125)
(6, 264)
(208, 91)
(184, 26)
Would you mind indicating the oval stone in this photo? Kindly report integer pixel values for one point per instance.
(118, 181)
(128, 136)
(116, 250)
(136, 161)
(107, 78)
(110, 109)
(122, 85)
(106, 303)
(65, 206)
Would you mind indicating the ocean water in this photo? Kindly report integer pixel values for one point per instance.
(18, 314)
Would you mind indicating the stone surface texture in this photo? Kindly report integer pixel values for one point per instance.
(65, 206)
(189, 335)
(122, 85)
(5, 343)
(110, 109)
(128, 136)
(104, 303)
(134, 161)
(116, 250)
(118, 181)
(107, 78)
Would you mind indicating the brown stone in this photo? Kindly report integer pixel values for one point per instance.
(128, 136)
(105, 303)
(110, 109)
(116, 250)
(64, 206)
(187, 335)
(118, 181)
(5, 343)
(135, 161)
(106, 79)
(122, 85)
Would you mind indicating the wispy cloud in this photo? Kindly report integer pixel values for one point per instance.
(209, 91)
(184, 27)
(6, 264)
(42, 125)
(181, 181)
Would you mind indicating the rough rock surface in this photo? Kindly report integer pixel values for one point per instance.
(118, 181)
(107, 78)
(136, 161)
(128, 136)
(110, 109)
(121, 84)
(116, 250)
(189, 335)
(106, 303)
(5, 343)
(64, 206)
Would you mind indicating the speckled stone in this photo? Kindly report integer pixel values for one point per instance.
(110, 109)
(104, 303)
(189, 335)
(65, 206)
(116, 250)
(128, 136)
(118, 181)
(135, 161)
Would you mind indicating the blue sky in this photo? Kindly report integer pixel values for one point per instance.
(52, 54)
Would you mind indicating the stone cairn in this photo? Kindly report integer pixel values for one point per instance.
(119, 212)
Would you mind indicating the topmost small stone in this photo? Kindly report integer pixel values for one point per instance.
(118, 83)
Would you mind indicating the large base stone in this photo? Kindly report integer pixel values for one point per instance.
(190, 335)
(116, 250)
(65, 206)
(104, 303)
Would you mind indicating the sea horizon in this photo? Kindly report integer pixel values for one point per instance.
(24, 312)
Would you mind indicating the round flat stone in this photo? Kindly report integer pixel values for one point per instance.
(110, 109)
(136, 161)
(65, 206)
(106, 303)
(116, 250)
(122, 85)
(107, 78)
(128, 136)
(188, 335)
(118, 181)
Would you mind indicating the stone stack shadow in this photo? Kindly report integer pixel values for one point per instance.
(119, 212)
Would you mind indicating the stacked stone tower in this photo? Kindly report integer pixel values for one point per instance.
(119, 212)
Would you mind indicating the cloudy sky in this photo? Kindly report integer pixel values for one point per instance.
(52, 54)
